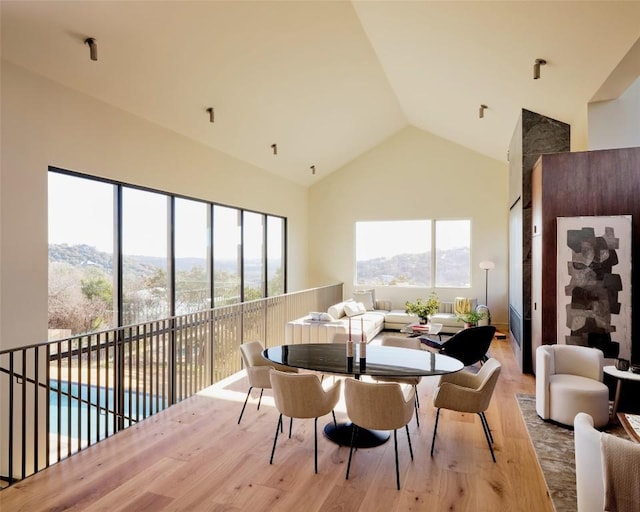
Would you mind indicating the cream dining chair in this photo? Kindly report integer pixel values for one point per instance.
(468, 392)
(378, 406)
(258, 370)
(302, 396)
(408, 343)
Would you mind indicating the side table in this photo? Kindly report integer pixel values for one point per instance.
(619, 375)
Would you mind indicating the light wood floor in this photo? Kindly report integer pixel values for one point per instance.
(194, 456)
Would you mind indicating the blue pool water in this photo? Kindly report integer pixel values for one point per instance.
(92, 416)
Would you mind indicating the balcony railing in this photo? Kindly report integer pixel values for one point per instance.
(59, 397)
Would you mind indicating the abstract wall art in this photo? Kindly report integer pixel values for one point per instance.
(594, 283)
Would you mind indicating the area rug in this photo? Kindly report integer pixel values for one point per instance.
(554, 449)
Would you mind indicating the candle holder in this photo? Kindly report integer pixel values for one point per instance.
(349, 356)
(363, 356)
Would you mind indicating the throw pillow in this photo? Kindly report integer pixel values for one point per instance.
(354, 308)
(367, 297)
(337, 310)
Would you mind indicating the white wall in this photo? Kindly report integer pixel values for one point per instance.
(44, 123)
(413, 175)
(616, 123)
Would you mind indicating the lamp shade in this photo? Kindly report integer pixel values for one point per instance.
(487, 265)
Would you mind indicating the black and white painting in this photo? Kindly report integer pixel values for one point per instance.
(594, 283)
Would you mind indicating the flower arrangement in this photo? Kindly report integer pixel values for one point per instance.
(424, 308)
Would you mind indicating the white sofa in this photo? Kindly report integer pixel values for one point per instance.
(376, 316)
(306, 330)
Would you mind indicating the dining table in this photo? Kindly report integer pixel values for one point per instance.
(379, 361)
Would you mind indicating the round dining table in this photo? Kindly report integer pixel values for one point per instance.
(379, 361)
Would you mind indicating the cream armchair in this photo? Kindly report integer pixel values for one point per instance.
(569, 381)
(607, 469)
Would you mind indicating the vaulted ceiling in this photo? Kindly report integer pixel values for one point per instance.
(327, 80)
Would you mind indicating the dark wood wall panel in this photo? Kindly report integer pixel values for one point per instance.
(590, 183)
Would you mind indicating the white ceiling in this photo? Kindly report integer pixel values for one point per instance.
(327, 80)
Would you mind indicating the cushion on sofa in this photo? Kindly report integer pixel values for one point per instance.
(354, 308)
(337, 310)
(366, 297)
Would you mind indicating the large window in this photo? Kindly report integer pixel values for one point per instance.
(453, 253)
(414, 252)
(226, 255)
(145, 278)
(176, 255)
(192, 289)
(275, 256)
(81, 236)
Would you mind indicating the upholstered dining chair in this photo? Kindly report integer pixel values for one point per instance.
(569, 381)
(258, 370)
(469, 345)
(409, 343)
(379, 406)
(302, 396)
(464, 391)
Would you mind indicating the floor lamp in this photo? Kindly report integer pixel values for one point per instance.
(486, 266)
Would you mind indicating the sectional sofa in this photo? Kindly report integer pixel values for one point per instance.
(367, 318)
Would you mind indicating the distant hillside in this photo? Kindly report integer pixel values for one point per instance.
(82, 255)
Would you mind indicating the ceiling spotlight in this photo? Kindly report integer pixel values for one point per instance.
(313, 169)
(93, 47)
(481, 111)
(536, 68)
(212, 117)
(274, 147)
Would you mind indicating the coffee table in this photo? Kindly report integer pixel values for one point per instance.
(417, 329)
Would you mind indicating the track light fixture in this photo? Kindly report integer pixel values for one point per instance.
(274, 148)
(313, 170)
(481, 110)
(212, 116)
(536, 68)
(93, 47)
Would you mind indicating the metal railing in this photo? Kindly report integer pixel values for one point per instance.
(59, 397)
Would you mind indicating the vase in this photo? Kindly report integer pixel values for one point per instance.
(424, 320)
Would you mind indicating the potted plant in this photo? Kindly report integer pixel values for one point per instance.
(424, 308)
(471, 318)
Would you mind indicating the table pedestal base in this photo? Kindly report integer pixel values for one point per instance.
(365, 438)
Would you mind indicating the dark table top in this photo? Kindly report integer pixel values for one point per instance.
(380, 361)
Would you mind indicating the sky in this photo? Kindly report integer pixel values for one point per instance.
(378, 239)
(81, 212)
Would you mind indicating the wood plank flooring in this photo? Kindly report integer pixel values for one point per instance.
(195, 457)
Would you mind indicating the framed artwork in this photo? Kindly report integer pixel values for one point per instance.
(594, 283)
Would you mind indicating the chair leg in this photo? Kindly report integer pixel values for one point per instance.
(415, 406)
(353, 438)
(335, 423)
(245, 404)
(275, 439)
(260, 399)
(417, 399)
(487, 434)
(315, 444)
(290, 426)
(484, 419)
(395, 446)
(409, 439)
(435, 429)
